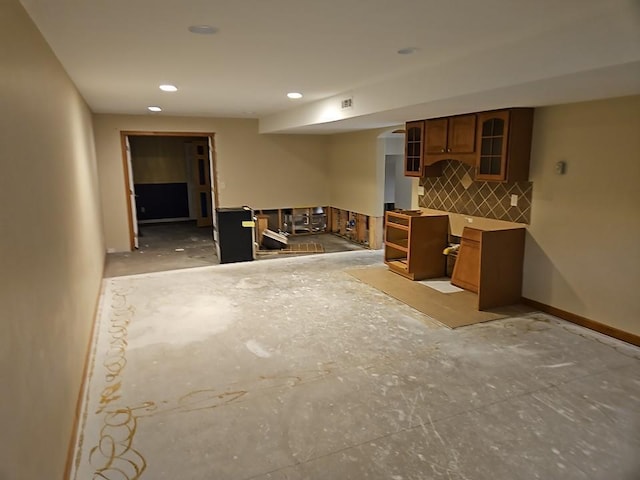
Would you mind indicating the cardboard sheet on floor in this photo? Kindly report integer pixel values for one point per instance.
(443, 286)
(452, 309)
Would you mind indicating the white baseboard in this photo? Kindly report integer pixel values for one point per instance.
(165, 220)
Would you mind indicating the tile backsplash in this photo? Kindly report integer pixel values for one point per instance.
(456, 191)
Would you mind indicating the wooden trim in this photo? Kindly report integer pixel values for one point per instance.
(434, 170)
(75, 429)
(362, 234)
(138, 133)
(585, 322)
(466, 158)
(214, 171)
(375, 235)
(125, 169)
(210, 136)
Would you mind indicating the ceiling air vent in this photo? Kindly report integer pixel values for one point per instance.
(347, 103)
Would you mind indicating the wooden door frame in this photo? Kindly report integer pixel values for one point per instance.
(210, 136)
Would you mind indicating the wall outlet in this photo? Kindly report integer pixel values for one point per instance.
(420, 190)
(514, 200)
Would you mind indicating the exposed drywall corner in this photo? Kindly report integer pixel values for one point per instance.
(356, 170)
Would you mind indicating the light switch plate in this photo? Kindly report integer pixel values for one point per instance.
(514, 200)
(420, 190)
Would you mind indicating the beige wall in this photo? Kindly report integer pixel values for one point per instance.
(262, 171)
(51, 250)
(356, 171)
(158, 159)
(582, 250)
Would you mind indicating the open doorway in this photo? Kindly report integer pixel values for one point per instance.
(171, 193)
(398, 189)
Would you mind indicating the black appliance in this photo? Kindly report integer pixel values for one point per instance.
(235, 228)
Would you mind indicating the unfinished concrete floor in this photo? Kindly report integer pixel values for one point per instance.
(293, 369)
(177, 245)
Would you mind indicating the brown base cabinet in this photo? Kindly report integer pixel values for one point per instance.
(490, 263)
(466, 271)
(414, 242)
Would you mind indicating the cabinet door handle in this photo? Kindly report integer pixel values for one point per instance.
(448, 149)
(442, 150)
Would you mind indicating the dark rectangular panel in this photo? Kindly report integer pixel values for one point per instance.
(235, 238)
(155, 201)
(204, 207)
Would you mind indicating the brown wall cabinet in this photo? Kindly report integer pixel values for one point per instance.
(414, 242)
(413, 159)
(504, 145)
(414, 152)
(496, 143)
(450, 138)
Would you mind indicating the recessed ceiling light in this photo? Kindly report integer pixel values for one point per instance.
(154, 109)
(294, 95)
(203, 29)
(168, 88)
(407, 50)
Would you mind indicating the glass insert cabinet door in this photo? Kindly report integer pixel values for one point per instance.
(492, 145)
(413, 149)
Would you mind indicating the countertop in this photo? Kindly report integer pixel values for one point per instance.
(458, 221)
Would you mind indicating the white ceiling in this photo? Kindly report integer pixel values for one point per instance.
(471, 56)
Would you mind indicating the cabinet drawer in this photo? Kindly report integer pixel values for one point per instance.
(401, 218)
